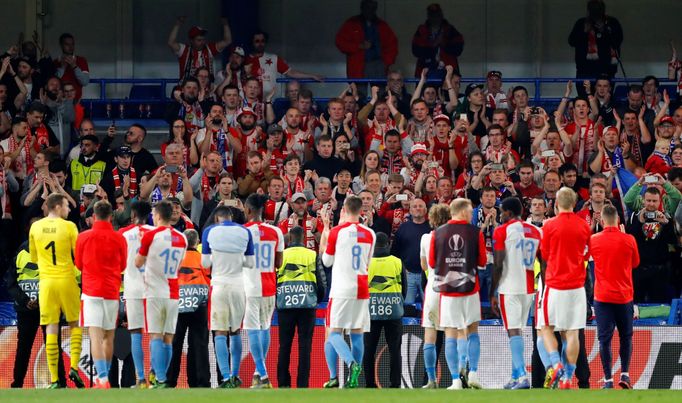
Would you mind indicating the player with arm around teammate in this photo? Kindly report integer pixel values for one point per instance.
(161, 251)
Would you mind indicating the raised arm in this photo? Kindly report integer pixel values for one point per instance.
(564, 101)
(173, 36)
(420, 86)
(227, 36)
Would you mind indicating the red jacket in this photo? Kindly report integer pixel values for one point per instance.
(657, 165)
(564, 239)
(615, 256)
(352, 34)
(101, 254)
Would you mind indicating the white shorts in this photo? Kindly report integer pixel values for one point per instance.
(348, 313)
(135, 313)
(431, 310)
(564, 309)
(515, 309)
(258, 314)
(459, 312)
(226, 307)
(160, 315)
(98, 312)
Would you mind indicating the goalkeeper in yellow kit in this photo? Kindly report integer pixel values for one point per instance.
(52, 241)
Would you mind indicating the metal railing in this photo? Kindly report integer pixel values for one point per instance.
(537, 84)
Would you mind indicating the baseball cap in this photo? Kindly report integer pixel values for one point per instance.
(239, 50)
(667, 119)
(471, 87)
(246, 111)
(494, 73)
(419, 148)
(297, 196)
(274, 128)
(123, 150)
(196, 31)
(440, 117)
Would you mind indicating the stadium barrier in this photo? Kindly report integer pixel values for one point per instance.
(656, 361)
(147, 97)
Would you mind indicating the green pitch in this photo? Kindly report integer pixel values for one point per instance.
(335, 396)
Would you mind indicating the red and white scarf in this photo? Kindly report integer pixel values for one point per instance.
(192, 115)
(206, 188)
(6, 212)
(192, 59)
(310, 224)
(335, 191)
(593, 52)
(585, 144)
(496, 156)
(293, 187)
(399, 217)
(42, 138)
(132, 189)
(17, 165)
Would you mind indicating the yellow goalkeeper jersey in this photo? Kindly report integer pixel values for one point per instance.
(52, 242)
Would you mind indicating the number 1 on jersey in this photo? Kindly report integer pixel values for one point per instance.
(52, 246)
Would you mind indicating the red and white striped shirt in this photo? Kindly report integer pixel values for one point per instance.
(521, 243)
(164, 248)
(261, 281)
(350, 247)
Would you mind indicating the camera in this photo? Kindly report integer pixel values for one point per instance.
(496, 167)
(650, 215)
(548, 153)
(534, 110)
(217, 121)
(401, 197)
(171, 169)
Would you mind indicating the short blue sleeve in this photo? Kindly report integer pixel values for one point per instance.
(249, 244)
(205, 246)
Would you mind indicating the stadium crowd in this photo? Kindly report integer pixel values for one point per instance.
(405, 156)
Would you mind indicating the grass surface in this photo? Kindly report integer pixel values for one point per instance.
(337, 396)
